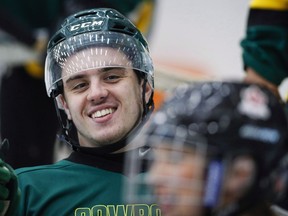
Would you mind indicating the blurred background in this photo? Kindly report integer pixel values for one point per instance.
(199, 40)
(189, 40)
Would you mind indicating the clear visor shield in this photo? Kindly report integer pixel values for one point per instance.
(170, 172)
(95, 50)
(179, 172)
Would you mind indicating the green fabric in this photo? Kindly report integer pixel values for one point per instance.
(73, 189)
(8, 189)
(265, 49)
(4, 179)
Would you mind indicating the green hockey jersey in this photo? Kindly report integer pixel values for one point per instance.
(81, 185)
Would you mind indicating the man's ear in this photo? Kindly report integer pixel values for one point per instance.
(148, 93)
(64, 105)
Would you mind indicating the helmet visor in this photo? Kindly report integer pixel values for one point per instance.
(95, 50)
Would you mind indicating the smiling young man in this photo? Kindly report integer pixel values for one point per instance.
(100, 74)
(107, 102)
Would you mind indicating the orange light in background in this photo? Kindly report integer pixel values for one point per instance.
(159, 97)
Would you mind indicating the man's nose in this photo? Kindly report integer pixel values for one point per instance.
(97, 91)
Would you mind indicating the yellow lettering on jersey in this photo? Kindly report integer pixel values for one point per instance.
(117, 210)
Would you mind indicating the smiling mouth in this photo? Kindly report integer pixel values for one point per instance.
(101, 113)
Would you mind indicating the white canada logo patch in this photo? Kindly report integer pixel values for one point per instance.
(254, 103)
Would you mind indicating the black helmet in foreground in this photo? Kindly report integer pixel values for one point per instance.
(229, 116)
(222, 120)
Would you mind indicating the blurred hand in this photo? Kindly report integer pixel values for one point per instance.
(253, 77)
(9, 191)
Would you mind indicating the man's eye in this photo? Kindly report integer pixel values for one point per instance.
(112, 77)
(79, 86)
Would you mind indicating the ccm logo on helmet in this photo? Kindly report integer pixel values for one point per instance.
(85, 24)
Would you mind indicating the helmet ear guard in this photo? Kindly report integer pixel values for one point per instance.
(57, 90)
(278, 183)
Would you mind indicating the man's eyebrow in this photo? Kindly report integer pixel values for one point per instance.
(75, 77)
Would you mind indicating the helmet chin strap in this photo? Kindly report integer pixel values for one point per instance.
(69, 132)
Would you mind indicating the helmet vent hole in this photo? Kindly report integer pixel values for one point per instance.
(131, 30)
(88, 13)
(82, 14)
(58, 39)
(122, 28)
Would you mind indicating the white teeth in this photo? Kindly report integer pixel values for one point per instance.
(101, 113)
